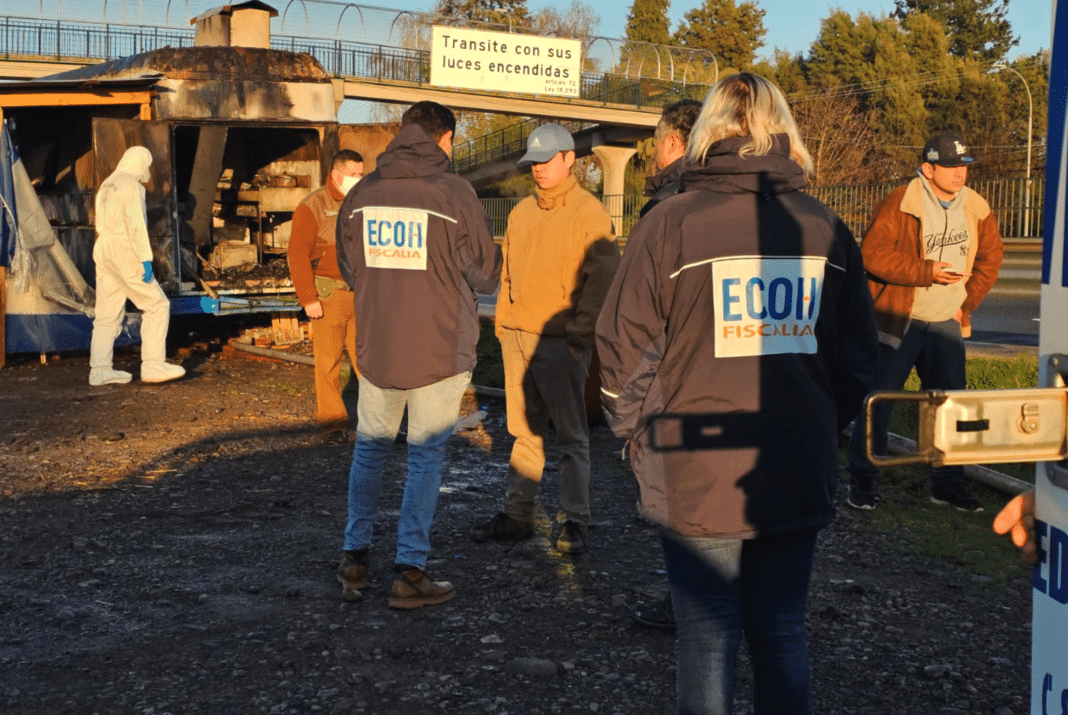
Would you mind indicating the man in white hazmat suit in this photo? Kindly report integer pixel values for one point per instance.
(123, 257)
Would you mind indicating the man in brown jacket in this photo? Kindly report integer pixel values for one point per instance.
(560, 256)
(932, 251)
(321, 290)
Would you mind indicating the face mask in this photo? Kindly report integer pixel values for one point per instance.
(347, 182)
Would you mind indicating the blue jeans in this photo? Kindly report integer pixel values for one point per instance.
(936, 350)
(724, 589)
(432, 414)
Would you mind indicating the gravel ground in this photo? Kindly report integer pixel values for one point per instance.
(171, 549)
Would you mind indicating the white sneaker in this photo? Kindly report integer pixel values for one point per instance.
(106, 376)
(160, 372)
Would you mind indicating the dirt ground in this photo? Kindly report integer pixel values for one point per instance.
(171, 549)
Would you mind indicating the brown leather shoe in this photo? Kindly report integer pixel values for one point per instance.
(413, 588)
(353, 573)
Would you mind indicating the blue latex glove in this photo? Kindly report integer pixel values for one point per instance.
(148, 271)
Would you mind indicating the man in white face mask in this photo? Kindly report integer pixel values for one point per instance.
(123, 257)
(321, 290)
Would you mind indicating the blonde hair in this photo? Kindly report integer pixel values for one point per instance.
(746, 104)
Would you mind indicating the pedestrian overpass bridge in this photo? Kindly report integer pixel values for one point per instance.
(611, 113)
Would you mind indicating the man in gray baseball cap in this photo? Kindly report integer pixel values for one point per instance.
(560, 256)
(546, 142)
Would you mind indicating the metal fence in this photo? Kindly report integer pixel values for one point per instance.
(623, 208)
(510, 141)
(84, 41)
(1017, 203)
(1017, 207)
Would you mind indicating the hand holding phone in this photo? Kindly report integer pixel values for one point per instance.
(944, 275)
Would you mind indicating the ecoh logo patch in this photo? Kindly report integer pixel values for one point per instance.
(767, 306)
(395, 237)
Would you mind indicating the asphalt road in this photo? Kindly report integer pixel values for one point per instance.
(1006, 320)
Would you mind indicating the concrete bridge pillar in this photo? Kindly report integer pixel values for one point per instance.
(613, 163)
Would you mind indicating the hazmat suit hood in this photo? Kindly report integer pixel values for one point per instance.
(135, 162)
(121, 215)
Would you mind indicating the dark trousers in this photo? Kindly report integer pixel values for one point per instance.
(936, 350)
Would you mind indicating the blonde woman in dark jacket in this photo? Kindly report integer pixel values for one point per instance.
(736, 340)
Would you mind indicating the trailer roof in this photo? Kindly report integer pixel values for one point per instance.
(206, 62)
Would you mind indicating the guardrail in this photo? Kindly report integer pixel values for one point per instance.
(1021, 268)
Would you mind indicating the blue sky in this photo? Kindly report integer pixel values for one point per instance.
(791, 24)
(794, 24)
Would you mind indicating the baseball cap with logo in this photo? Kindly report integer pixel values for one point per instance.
(544, 143)
(947, 149)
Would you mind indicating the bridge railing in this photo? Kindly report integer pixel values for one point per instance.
(78, 40)
(73, 40)
(499, 144)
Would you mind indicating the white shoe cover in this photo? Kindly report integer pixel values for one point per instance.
(106, 376)
(160, 372)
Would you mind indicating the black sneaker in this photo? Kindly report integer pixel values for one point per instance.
(571, 539)
(954, 495)
(659, 615)
(861, 494)
(503, 528)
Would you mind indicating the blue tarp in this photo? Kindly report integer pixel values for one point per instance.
(59, 332)
(8, 218)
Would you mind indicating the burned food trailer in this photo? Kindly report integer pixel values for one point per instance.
(239, 135)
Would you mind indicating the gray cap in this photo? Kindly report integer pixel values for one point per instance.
(544, 143)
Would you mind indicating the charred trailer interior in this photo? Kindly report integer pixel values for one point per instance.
(239, 136)
(226, 192)
(235, 190)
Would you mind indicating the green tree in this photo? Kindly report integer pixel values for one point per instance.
(976, 28)
(1004, 126)
(501, 12)
(733, 32)
(648, 22)
(785, 70)
(648, 30)
(870, 59)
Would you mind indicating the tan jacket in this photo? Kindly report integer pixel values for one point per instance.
(560, 256)
(895, 260)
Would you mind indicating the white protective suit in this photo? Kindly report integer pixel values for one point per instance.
(121, 247)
